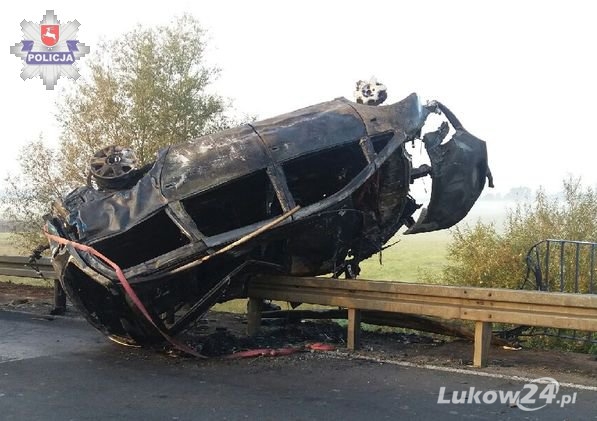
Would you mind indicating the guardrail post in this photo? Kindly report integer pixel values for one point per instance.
(354, 328)
(482, 342)
(253, 315)
(59, 299)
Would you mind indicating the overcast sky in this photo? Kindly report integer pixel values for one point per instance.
(520, 75)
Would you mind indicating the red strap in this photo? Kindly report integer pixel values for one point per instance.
(127, 288)
(278, 352)
(264, 352)
(320, 346)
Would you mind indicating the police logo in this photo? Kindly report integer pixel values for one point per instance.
(49, 49)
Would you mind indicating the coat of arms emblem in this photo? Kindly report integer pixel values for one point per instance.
(50, 34)
(49, 49)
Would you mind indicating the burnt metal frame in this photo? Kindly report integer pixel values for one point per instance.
(539, 266)
(168, 183)
(540, 269)
(179, 216)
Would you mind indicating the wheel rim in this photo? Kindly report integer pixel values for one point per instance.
(112, 163)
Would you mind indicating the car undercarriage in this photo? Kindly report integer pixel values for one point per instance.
(312, 192)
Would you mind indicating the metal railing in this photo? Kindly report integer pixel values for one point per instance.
(563, 266)
(35, 269)
(25, 267)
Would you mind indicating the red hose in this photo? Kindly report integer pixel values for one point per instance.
(127, 288)
(278, 352)
(320, 346)
(264, 352)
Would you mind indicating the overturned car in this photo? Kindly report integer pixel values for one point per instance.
(311, 192)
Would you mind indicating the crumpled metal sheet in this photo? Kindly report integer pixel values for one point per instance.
(158, 226)
(459, 170)
(95, 214)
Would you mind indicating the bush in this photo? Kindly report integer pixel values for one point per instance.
(482, 256)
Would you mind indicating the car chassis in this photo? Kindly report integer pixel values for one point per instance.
(311, 192)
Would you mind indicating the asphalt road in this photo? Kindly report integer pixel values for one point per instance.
(64, 370)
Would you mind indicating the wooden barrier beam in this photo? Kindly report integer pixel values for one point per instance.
(532, 308)
(484, 306)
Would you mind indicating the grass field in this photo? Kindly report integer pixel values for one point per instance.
(411, 257)
(420, 254)
(7, 247)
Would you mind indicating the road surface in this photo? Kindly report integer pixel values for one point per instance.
(62, 369)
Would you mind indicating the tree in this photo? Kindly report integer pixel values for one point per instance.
(482, 256)
(28, 195)
(145, 90)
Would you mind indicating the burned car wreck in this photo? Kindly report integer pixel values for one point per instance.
(311, 192)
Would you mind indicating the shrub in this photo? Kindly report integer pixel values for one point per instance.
(482, 256)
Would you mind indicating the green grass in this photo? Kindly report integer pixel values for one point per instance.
(7, 245)
(426, 254)
(408, 260)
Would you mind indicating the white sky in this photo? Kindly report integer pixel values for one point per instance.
(520, 75)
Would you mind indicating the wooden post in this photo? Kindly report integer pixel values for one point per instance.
(482, 342)
(253, 315)
(354, 328)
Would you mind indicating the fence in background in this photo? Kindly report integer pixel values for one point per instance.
(563, 266)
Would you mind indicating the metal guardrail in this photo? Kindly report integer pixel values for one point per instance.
(484, 306)
(41, 269)
(22, 267)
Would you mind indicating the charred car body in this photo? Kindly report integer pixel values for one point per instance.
(344, 164)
